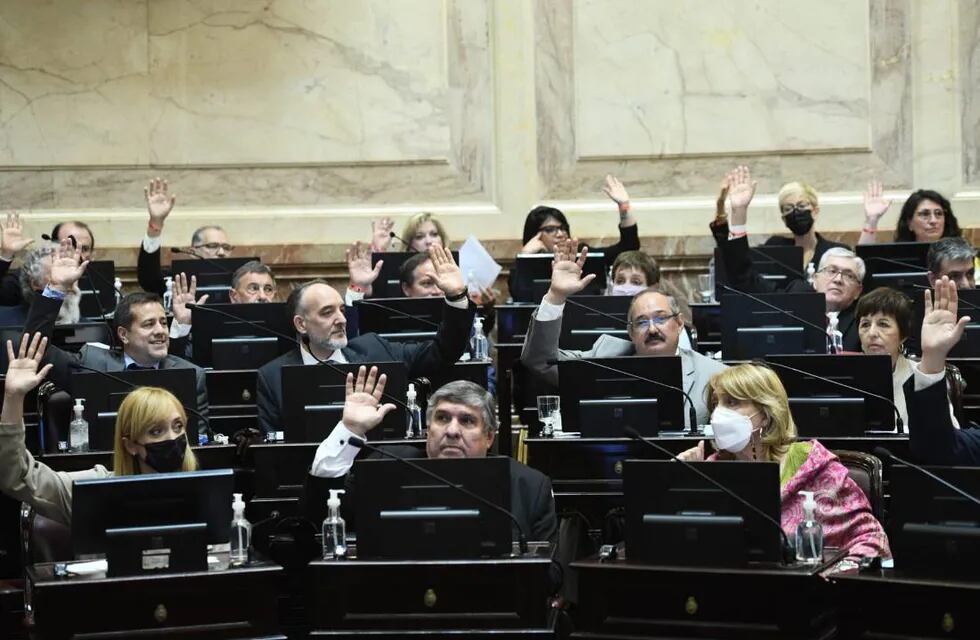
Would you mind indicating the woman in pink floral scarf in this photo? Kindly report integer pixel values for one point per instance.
(751, 420)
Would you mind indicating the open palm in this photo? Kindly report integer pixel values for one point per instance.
(363, 410)
(22, 372)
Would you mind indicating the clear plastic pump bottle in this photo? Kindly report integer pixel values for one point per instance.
(413, 414)
(481, 347)
(78, 428)
(809, 533)
(334, 529)
(241, 533)
(168, 294)
(117, 286)
(835, 339)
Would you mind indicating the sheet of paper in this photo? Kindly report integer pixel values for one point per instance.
(478, 266)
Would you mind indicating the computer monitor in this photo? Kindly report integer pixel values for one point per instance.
(213, 274)
(153, 523)
(388, 283)
(600, 403)
(754, 330)
(969, 305)
(401, 513)
(900, 265)
(824, 410)
(534, 270)
(72, 337)
(513, 321)
(706, 317)
(932, 530)
(313, 400)
(675, 517)
(222, 342)
(401, 319)
(777, 265)
(98, 293)
(103, 397)
(581, 326)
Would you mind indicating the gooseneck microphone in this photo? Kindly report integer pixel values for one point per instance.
(789, 554)
(786, 313)
(887, 455)
(198, 414)
(521, 534)
(899, 424)
(407, 245)
(187, 252)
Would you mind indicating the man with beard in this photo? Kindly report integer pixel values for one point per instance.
(317, 312)
(654, 324)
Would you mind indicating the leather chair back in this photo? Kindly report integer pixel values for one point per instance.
(865, 470)
(43, 539)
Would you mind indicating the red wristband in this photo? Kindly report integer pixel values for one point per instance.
(871, 231)
(154, 227)
(356, 287)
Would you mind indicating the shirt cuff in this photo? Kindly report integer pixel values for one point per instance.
(178, 330)
(736, 229)
(462, 303)
(547, 311)
(335, 456)
(5, 260)
(54, 294)
(925, 380)
(350, 296)
(151, 245)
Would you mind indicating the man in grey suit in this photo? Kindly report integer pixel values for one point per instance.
(655, 326)
(140, 326)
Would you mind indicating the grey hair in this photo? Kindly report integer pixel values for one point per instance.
(33, 268)
(252, 266)
(671, 300)
(198, 234)
(954, 249)
(841, 252)
(469, 394)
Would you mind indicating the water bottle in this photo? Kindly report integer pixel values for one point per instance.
(809, 533)
(241, 533)
(835, 339)
(168, 294)
(334, 529)
(811, 272)
(413, 414)
(78, 428)
(479, 344)
(117, 287)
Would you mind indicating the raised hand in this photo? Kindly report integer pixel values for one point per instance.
(66, 266)
(381, 234)
(875, 204)
(359, 266)
(159, 203)
(363, 410)
(449, 277)
(22, 373)
(566, 271)
(694, 454)
(616, 191)
(485, 298)
(726, 184)
(535, 244)
(940, 328)
(184, 295)
(740, 193)
(13, 241)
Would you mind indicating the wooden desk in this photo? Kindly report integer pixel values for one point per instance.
(469, 597)
(887, 604)
(618, 599)
(234, 603)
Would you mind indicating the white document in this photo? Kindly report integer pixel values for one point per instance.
(479, 268)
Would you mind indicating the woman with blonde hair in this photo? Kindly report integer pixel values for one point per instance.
(150, 437)
(751, 420)
(799, 208)
(420, 232)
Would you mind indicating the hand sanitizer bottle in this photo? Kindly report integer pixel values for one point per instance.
(78, 428)
(117, 286)
(809, 533)
(334, 529)
(168, 295)
(835, 339)
(811, 272)
(241, 533)
(413, 414)
(480, 345)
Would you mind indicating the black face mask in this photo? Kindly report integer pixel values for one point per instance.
(168, 455)
(799, 222)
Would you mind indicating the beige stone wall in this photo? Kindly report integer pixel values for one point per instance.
(296, 122)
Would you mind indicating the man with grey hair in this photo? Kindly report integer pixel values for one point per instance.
(952, 257)
(462, 423)
(35, 275)
(655, 327)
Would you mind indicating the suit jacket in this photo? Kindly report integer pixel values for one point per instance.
(148, 271)
(822, 245)
(426, 358)
(10, 292)
(744, 277)
(41, 318)
(932, 437)
(541, 346)
(531, 499)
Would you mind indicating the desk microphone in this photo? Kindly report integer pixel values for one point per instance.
(898, 418)
(407, 245)
(786, 313)
(782, 264)
(789, 553)
(692, 415)
(198, 414)
(188, 252)
(521, 535)
(270, 331)
(888, 456)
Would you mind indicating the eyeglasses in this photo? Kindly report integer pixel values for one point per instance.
(214, 246)
(643, 324)
(848, 276)
(552, 229)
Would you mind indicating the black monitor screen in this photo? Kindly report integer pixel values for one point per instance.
(753, 330)
(223, 342)
(535, 270)
(388, 284)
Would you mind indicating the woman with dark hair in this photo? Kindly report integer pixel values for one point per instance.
(926, 216)
(544, 226)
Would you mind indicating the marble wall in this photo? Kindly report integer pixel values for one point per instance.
(295, 123)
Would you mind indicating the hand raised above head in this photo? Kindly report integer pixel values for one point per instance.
(566, 271)
(359, 265)
(66, 266)
(941, 329)
(449, 277)
(363, 410)
(740, 193)
(159, 202)
(22, 372)
(13, 240)
(183, 295)
(875, 203)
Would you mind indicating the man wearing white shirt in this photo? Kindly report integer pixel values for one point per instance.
(655, 326)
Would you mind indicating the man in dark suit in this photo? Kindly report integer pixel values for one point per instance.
(462, 423)
(140, 325)
(317, 313)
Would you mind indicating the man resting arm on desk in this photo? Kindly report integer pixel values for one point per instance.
(462, 424)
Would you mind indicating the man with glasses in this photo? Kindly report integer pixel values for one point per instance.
(655, 327)
(839, 276)
(209, 241)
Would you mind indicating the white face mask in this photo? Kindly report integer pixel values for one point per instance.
(732, 430)
(627, 289)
